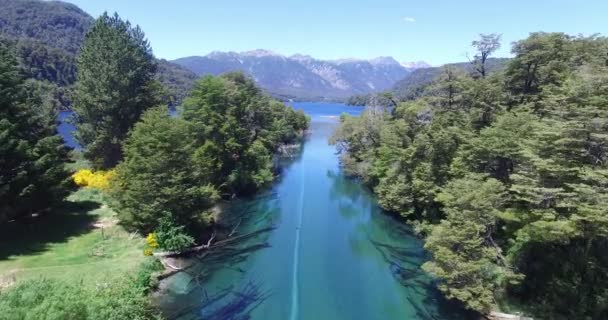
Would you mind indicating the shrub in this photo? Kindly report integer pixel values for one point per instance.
(98, 179)
(121, 298)
(146, 275)
(171, 237)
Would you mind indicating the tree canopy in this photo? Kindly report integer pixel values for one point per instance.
(222, 144)
(32, 155)
(504, 174)
(115, 85)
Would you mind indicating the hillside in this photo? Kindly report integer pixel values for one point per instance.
(301, 76)
(47, 36)
(56, 24)
(413, 84)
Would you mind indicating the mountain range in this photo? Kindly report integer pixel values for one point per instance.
(302, 76)
(47, 36)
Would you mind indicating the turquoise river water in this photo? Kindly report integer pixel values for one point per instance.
(324, 251)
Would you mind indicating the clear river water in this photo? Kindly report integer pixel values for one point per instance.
(320, 249)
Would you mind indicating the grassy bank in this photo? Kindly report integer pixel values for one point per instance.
(80, 242)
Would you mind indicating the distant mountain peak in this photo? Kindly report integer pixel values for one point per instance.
(413, 65)
(384, 61)
(301, 57)
(260, 53)
(221, 54)
(346, 60)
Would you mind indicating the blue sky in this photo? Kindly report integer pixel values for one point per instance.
(436, 31)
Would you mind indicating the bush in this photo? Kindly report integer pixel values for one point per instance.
(171, 237)
(98, 179)
(146, 275)
(122, 298)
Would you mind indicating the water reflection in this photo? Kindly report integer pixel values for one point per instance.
(352, 262)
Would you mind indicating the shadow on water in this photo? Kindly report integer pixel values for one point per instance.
(34, 235)
(404, 261)
(227, 304)
(253, 219)
(405, 265)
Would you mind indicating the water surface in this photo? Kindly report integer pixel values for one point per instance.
(332, 255)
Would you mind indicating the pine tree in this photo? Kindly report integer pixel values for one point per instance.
(32, 155)
(115, 85)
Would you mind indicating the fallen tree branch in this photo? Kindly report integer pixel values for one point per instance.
(208, 245)
(210, 240)
(234, 229)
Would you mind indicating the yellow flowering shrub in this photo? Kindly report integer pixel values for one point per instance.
(98, 180)
(151, 244)
(151, 240)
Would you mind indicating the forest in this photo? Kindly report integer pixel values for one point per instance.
(504, 174)
(491, 174)
(164, 174)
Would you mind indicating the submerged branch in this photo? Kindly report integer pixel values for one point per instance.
(209, 245)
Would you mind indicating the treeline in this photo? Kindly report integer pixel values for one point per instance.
(47, 36)
(415, 84)
(504, 174)
(165, 172)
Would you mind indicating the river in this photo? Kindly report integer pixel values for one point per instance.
(333, 254)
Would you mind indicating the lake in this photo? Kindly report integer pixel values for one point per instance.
(315, 246)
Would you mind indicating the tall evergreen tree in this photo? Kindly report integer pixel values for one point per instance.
(115, 85)
(32, 155)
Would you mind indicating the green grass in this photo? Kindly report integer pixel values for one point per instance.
(79, 242)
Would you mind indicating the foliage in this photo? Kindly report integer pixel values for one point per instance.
(159, 175)
(115, 85)
(56, 24)
(171, 237)
(52, 299)
(98, 179)
(505, 175)
(385, 99)
(32, 155)
(147, 272)
(177, 167)
(177, 81)
(151, 240)
(237, 128)
(414, 84)
(47, 36)
(485, 46)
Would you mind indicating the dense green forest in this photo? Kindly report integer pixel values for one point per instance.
(221, 146)
(504, 174)
(161, 173)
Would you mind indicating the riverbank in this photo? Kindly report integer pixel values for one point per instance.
(80, 243)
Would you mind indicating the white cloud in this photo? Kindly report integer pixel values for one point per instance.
(409, 19)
